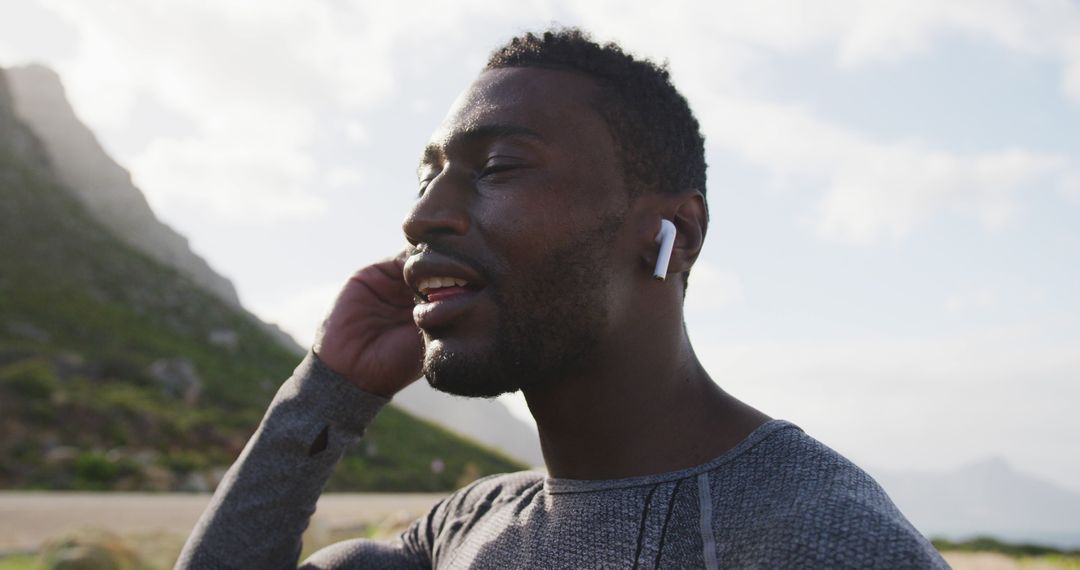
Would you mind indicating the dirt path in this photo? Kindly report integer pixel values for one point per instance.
(29, 519)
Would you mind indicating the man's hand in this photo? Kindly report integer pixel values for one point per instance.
(369, 337)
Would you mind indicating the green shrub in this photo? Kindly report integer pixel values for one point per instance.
(21, 562)
(95, 468)
(32, 379)
(991, 544)
(116, 365)
(179, 461)
(97, 471)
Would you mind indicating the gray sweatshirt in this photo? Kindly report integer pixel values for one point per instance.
(778, 499)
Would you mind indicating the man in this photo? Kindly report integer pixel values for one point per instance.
(532, 247)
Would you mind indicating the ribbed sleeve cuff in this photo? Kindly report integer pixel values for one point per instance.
(325, 395)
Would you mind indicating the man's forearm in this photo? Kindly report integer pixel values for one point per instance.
(262, 506)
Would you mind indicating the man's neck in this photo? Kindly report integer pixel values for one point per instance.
(637, 413)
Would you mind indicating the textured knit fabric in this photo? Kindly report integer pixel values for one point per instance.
(779, 499)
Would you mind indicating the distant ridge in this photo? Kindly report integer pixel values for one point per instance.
(486, 421)
(987, 497)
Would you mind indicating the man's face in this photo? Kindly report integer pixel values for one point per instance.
(515, 231)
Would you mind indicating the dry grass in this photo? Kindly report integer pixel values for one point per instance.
(998, 561)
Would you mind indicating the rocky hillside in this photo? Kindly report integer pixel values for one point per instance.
(101, 185)
(120, 372)
(105, 188)
(106, 191)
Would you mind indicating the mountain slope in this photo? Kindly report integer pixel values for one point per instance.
(119, 372)
(108, 194)
(105, 188)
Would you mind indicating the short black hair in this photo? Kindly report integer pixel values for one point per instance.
(658, 137)
(659, 140)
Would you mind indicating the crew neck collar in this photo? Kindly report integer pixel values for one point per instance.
(555, 486)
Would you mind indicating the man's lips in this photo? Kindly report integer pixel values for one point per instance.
(446, 293)
(445, 288)
(428, 271)
(444, 308)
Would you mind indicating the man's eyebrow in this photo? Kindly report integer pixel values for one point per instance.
(433, 151)
(492, 131)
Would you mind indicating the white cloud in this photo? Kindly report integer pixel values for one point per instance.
(216, 57)
(29, 33)
(249, 76)
(895, 188)
(248, 166)
(859, 32)
(976, 300)
(734, 36)
(1072, 67)
(356, 132)
(301, 312)
(711, 289)
(1070, 185)
(341, 177)
(872, 189)
(231, 182)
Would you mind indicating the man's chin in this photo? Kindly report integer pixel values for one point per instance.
(469, 375)
(469, 388)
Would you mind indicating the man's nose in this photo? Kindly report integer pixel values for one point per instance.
(442, 210)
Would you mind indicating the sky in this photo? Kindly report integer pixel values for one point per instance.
(892, 261)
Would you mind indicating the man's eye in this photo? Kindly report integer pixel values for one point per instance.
(496, 168)
(424, 184)
(493, 167)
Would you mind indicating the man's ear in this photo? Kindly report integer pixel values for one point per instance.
(688, 212)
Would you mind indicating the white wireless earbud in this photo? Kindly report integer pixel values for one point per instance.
(666, 239)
